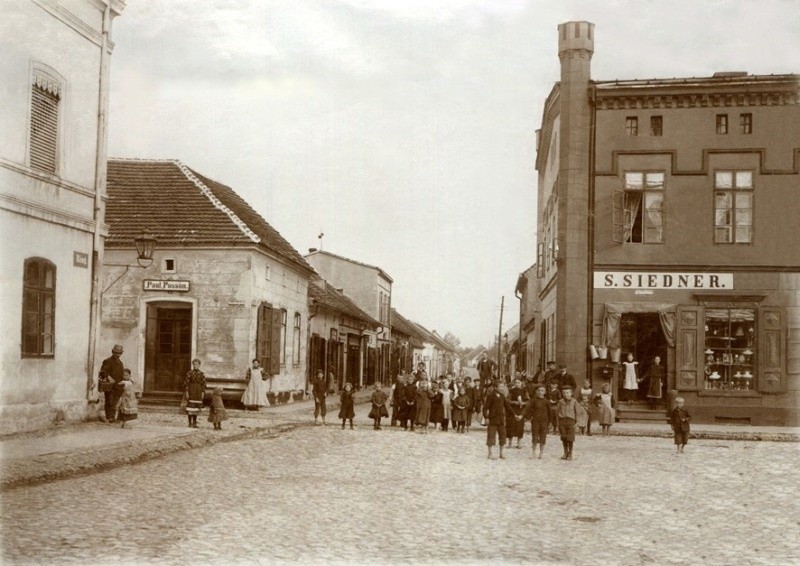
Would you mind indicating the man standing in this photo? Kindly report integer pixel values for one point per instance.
(110, 382)
(565, 379)
(320, 391)
(495, 406)
(485, 371)
(550, 373)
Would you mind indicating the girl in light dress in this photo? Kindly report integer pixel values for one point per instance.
(128, 405)
(255, 395)
(585, 409)
(606, 402)
(446, 405)
(631, 383)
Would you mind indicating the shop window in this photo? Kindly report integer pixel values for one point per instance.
(733, 207)
(638, 209)
(296, 340)
(43, 141)
(656, 125)
(731, 347)
(632, 125)
(746, 123)
(38, 309)
(722, 124)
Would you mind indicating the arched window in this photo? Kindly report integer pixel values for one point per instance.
(38, 309)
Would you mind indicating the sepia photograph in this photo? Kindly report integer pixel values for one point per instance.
(399, 282)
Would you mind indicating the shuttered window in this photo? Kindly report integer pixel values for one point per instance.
(44, 126)
(38, 309)
(268, 338)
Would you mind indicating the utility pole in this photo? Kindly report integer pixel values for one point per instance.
(500, 336)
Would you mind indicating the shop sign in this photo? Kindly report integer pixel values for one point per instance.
(664, 281)
(165, 285)
(80, 259)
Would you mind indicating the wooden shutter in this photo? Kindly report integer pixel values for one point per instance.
(618, 216)
(44, 130)
(275, 342)
(263, 335)
(771, 351)
(690, 336)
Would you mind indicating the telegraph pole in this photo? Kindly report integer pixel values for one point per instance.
(500, 336)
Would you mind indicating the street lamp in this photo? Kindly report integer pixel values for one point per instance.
(145, 246)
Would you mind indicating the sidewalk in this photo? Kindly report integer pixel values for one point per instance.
(89, 447)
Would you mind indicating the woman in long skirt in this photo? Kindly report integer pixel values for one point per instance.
(655, 377)
(255, 395)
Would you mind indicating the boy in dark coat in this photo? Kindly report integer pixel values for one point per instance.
(408, 404)
(567, 417)
(474, 395)
(553, 396)
(495, 406)
(679, 420)
(538, 410)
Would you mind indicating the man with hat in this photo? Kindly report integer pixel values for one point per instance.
(565, 378)
(111, 372)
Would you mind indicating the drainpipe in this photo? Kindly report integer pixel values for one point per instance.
(518, 295)
(98, 216)
(309, 369)
(591, 227)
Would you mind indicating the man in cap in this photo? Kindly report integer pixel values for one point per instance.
(495, 406)
(565, 378)
(111, 372)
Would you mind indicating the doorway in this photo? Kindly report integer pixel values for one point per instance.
(353, 359)
(168, 346)
(641, 335)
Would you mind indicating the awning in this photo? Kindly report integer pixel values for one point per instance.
(614, 311)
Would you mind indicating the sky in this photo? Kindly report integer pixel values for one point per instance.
(403, 130)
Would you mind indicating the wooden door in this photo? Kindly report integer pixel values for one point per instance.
(168, 349)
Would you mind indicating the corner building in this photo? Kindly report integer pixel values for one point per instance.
(666, 227)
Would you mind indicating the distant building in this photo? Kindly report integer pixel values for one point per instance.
(407, 344)
(667, 208)
(54, 68)
(224, 286)
(370, 287)
(527, 292)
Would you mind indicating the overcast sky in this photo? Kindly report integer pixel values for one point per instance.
(402, 129)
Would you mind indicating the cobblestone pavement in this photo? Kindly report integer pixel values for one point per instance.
(322, 494)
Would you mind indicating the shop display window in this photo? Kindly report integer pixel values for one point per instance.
(730, 352)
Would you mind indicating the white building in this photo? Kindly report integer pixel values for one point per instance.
(54, 62)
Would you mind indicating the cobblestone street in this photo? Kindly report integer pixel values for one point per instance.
(321, 494)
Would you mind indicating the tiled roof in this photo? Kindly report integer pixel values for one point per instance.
(329, 297)
(180, 206)
(402, 325)
(382, 272)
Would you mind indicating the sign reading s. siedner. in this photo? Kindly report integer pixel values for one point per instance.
(649, 280)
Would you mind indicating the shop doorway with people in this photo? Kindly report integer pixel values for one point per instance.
(642, 335)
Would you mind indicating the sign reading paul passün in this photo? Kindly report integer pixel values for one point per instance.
(650, 280)
(165, 285)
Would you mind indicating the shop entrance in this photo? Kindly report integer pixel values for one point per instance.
(168, 346)
(353, 359)
(641, 335)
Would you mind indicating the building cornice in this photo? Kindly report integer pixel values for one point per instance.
(54, 180)
(706, 153)
(656, 267)
(622, 100)
(49, 214)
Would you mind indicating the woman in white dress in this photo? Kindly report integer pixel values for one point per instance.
(631, 383)
(255, 395)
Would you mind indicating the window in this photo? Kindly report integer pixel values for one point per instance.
(45, 101)
(283, 337)
(733, 207)
(632, 125)
(656, 125)
(267, 273)
(730, 348)
(168, 266)
(296, 340)
(268, 338)
(38, 309)
(745, 123)
(638, 216)
(722, 123)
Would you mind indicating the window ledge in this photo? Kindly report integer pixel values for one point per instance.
(727, 393)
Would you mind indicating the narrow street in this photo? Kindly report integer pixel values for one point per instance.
(319, 494)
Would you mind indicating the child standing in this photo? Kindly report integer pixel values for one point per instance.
(461, 408)
(585, 409)
(631, 383)
(679, 419)
(447, 398)
(607, 414)
(567, 417)
(538, 410)
(194, 387)
(437, 406)
(378, 410)
(347, 405)
(554, 396)
(127, 406)
(423, 406)
(217, 413)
